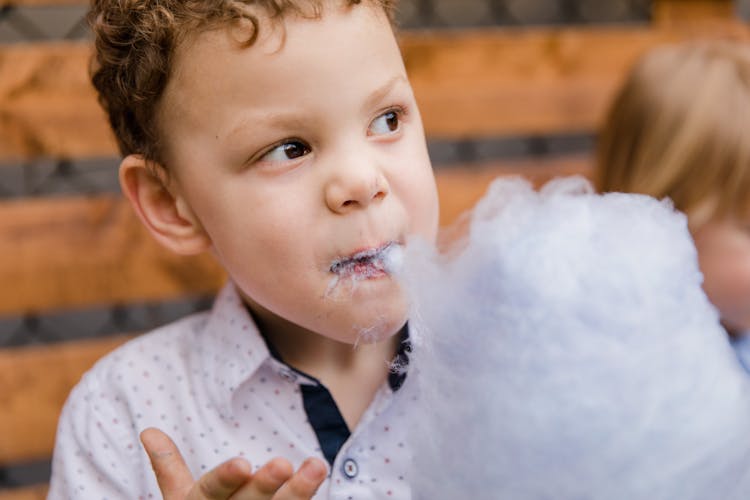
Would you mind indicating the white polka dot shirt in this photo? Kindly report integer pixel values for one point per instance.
(210, 382)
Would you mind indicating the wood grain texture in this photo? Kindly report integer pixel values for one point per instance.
(34, 383)
(521, 82)
(73, 252)
(461, 186)
(671, 12)
(468, 84)
(42, 3)
(28, 493)
(47, 105)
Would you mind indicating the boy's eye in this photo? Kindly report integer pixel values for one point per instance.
(290, 150)
(387, 123)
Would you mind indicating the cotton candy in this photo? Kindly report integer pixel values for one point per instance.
(564, 349)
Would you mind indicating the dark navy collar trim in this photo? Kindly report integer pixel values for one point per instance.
(322, 412)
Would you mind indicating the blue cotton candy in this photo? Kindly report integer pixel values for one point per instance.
(564, 350)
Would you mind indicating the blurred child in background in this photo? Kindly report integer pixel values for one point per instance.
(679, 128)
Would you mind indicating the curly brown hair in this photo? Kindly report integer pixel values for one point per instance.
(135, 42)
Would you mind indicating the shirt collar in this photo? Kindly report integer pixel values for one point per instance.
(396, 377)
(229, 347)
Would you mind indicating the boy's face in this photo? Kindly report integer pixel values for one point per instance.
(724, 254)
(294, 157)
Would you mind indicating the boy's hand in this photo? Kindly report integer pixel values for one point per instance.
(233, 479)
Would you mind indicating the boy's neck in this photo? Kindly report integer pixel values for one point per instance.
(351, 373)
(323, 357)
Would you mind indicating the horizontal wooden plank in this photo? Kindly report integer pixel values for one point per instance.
(81, 252)
(669, 12)
(34, 382)
(47, 104)
(468, 84)
(69, 252)
(42, 3)
(460, 187)
(29, 493)
(519, 82)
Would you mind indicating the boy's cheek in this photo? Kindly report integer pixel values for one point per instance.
(423, 215)
(420, 197)
(432, 211)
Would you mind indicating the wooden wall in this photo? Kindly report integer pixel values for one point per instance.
(83, 251)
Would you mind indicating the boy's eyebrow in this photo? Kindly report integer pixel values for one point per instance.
(378, 94)
(290, 120)
(282, 120)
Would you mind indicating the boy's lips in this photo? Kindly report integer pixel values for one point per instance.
(366, 263)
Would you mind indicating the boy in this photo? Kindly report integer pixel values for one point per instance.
(283, 137)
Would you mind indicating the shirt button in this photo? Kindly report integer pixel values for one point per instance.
(351, 469)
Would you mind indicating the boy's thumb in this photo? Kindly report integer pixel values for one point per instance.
(172, 474)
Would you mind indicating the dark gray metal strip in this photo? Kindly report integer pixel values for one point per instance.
(45, 178)
(25, 474)
(77, 324)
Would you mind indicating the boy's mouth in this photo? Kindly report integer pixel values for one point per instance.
(366, 264)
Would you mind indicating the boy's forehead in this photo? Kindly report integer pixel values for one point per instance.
(340, 45)
(269, 38)
(269, 33)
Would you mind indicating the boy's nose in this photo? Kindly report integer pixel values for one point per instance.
(354, 190)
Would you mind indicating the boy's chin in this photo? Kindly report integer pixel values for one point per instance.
(378, 326)
(370, 314)
(378, 332)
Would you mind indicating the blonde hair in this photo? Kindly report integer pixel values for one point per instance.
(680, 128)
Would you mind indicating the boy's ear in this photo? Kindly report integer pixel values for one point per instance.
(164, 212)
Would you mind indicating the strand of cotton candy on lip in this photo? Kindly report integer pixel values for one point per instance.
(568, 351)
(392, 261)
(388, 257)
(337, 281)
(391, 258)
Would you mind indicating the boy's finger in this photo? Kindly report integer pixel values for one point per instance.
(223, 481)
(172, 475)
(267, 480)
(305, 482)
